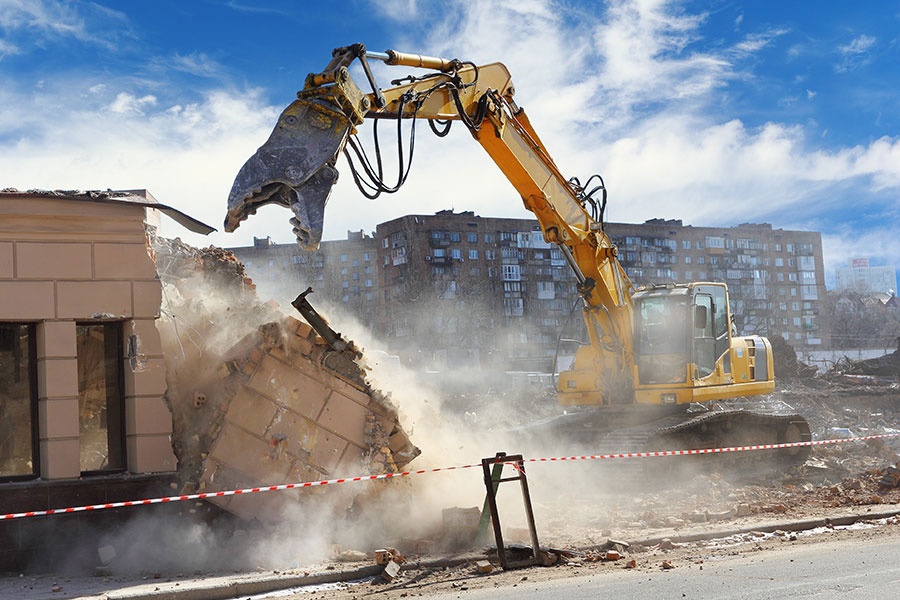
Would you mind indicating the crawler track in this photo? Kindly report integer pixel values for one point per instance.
(713, 429)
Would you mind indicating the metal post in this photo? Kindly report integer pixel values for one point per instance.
(529, 513)
(496, 473)
(492, 504)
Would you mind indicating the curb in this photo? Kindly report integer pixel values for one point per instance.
(784, 526)
(223, 588)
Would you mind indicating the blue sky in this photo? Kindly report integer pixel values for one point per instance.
(713, 112)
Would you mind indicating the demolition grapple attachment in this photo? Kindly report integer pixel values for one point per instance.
(294, 168)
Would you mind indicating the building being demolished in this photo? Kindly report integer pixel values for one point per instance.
(282, 404)
(132, 366)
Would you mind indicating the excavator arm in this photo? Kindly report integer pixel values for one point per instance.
(296, 168)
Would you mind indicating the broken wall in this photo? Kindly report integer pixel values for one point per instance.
(258, 397)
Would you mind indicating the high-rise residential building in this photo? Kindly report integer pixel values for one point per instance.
(456, 289)
(459, 289)
(343, 272)
(859, 276)
(775, 277)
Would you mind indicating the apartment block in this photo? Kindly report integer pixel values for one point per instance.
(775, 277)
(344, 272)
(457, 289)
(859, 276)
(481, 291)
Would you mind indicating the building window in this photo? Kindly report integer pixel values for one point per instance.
(366, 256)
(368, 283)
(473, 254)
(455, 253)
(101, 414)
(454, 236)
(489, 238)
(18, 402)
(356, 263)
(687, 260)
(343, 258)
(472, 238)
(511, 273)
(385, 242)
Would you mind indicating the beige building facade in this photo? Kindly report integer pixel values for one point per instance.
(80, 354)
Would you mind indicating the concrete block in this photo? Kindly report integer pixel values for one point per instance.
(350, 391)
(484, 566)
(150, 454)
(290, 432)
(27, 300)
(6, 260)
(251, 411)
(85, 299)
(296, 391)
(328, 451)
(123, 261)
(351, 462)
(56, 339)
(149, 343)
(60, 459)
(147, 415)
(53, 260)
(57, 378)
(147, 299)
(58, 418)
(344, 417)
(250, 455)
(391, 571)
(149, 380)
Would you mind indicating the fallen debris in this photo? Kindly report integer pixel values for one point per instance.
(484, 566)
(258, 397)
(391, 571)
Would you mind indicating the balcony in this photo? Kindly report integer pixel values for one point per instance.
(439, 242)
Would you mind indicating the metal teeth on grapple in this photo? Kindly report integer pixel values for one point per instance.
(294, 168)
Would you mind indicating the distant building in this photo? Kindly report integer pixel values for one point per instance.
(861, 277)
(462, 290)
(481, 291)
(776, 278)
(341, 271)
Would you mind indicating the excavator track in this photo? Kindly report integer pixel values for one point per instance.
(712, 429)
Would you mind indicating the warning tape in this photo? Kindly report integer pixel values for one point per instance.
(715, 450)
(306, 484)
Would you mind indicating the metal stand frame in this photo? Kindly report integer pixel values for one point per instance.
(491, 484)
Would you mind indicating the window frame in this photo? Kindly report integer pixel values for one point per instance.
(35, 415)
(120, 374)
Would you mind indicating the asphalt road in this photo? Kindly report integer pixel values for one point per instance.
(846, 570)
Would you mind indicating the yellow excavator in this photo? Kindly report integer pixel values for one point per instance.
(660, 357)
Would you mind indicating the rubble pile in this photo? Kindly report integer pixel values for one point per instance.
(258, 397)
(785, 360)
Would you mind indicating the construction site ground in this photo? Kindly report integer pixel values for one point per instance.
(706, 518)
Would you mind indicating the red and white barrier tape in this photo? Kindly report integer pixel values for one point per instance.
(306, 484)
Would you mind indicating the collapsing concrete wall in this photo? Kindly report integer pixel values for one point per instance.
(258, 398)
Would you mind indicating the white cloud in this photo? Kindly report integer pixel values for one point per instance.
(628, 94)
(8, 49)
(855, 54)
(858, 45)
(42, 21)
(126, 103)
(196, 63)
(186, 157)
(810, 94)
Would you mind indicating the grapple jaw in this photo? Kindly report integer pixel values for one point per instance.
(294, 168)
